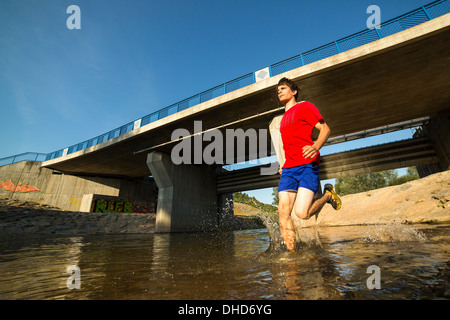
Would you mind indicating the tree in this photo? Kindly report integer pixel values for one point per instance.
(275, 196)
(411, 174)
(374, 180)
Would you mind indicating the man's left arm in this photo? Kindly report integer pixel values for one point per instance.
(311, 151)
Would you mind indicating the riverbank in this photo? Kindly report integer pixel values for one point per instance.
(29, 217)
(422, 201)
(425, 200)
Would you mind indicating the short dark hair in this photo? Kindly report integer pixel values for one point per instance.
(291, 84)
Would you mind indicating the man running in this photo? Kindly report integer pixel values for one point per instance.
(299, 180)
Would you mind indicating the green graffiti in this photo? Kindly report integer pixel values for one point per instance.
(128, 207)
(102, 205)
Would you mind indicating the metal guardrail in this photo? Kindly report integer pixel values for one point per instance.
(428, 12)
(27, 156)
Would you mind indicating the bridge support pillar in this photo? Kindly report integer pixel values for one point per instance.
(187, 195)
(438, 131)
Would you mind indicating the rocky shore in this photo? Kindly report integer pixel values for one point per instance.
(19, 216)
(29, 217)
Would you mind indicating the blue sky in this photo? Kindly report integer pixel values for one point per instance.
(59, 87)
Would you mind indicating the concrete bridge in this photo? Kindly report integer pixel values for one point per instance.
(395, 79)
(401, 77)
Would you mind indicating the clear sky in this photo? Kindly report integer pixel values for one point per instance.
(59, 87)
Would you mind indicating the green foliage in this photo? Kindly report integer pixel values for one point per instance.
(245, 198)
(371, 181)
(275, 196)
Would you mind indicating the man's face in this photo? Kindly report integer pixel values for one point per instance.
(285, 94)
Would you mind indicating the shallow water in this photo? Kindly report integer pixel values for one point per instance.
(331, 263)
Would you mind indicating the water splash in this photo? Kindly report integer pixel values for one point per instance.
(305, 237)
(392, 232)
(273, 228)
(309, 236)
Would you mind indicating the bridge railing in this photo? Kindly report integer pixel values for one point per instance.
(28, 156)
(387, 28)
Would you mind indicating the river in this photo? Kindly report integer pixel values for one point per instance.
(407, 262)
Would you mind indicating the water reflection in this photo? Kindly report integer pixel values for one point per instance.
(331, 263)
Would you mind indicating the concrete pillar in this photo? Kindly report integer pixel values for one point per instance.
(187, 195)
(438, 131)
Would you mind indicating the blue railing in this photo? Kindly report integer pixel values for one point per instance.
(28, 156)
(403, 22)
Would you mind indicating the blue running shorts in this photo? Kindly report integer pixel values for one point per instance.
(304, 176)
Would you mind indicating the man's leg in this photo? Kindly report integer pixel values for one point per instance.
(286, 201)
(306, 206)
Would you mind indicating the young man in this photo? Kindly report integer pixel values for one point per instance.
(299, 180)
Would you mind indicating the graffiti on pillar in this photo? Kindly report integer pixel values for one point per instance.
(104, 205)
(8, 185)
(75, 201)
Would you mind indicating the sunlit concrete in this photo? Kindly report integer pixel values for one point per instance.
(187, 195)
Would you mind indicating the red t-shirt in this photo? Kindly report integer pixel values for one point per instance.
(296, 128)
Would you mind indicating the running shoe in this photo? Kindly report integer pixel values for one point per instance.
(335, 200)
